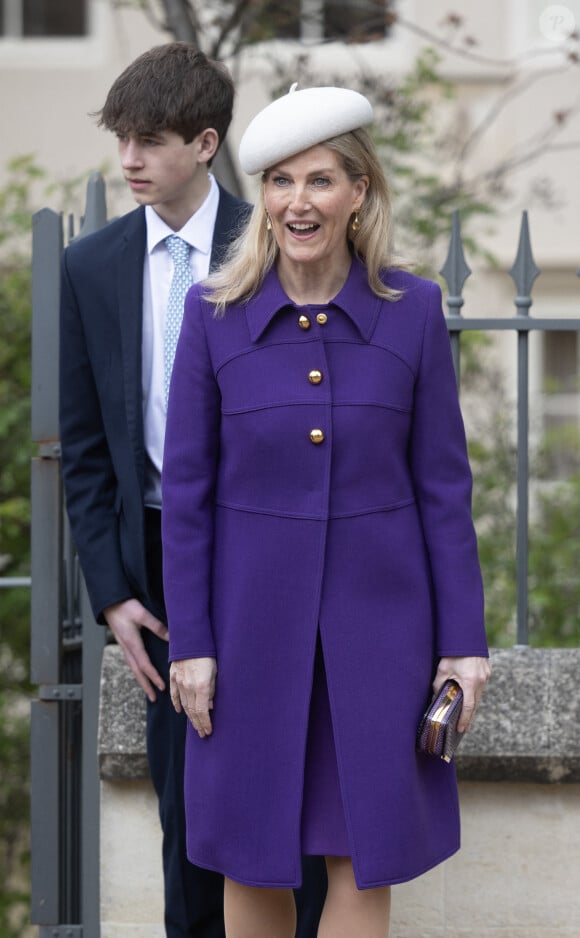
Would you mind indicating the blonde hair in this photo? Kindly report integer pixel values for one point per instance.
(254, 252)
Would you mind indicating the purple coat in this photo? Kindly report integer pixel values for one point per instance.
(270, 535)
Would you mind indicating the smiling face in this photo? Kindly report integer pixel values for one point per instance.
(310, 199)
(167, 173)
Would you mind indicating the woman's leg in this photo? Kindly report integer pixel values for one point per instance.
(253, 912)
(349, 911)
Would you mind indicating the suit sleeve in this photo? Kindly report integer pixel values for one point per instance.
(88, 474)
(188, 486)
(443, 484)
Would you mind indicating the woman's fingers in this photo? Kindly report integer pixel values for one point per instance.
(192, 689)
(472, 674)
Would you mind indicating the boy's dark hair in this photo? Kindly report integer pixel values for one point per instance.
(173, 87)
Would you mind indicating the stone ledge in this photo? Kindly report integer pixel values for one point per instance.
(526, 729)
(121, 745)
(527, 726)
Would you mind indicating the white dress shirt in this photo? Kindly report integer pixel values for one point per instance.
(157, 275)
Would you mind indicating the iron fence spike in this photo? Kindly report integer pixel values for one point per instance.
(524, 269)
(455, 270)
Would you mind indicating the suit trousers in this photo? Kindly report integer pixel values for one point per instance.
(194, 896)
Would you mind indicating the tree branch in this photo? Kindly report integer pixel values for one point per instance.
(182, 21)
(502, 102)
(234, 21)
(469, 54)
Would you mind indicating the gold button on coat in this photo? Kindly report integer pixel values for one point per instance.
(304, 322)
(316, 436)
(321, 318)
(315, 376)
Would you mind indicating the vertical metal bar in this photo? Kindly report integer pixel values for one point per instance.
(523, 272)
(94, 640)
(70, 787)
(455, 272)
(46, 588)
(523, 470)
(72, 832)
(44, 812)
(47, 805)
(47, 244)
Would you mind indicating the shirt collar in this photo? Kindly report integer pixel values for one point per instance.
(355, 299)
(197, 231)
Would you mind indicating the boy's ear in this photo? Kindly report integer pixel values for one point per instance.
(208, 142)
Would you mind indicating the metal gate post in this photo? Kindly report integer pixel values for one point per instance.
(66, 643)
(46, 507)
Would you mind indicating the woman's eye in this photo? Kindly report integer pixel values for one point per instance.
(280, 181)
(321, 181)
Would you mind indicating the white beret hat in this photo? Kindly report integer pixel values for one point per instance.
(299, 120)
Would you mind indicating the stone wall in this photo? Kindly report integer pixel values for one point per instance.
(518, 872)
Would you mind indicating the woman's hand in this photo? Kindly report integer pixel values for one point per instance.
(472, 674)
(192, 688)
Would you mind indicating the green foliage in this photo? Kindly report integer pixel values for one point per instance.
(492, 456)
(15, 454)
(25, 191)
(14, 796)
(554, 545)
(407, 138)
(409, 117)
(559, 454)
(15, 447)
(554, 526)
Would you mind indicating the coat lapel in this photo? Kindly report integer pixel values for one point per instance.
(130, 298)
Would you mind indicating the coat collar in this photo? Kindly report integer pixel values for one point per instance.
(232, 213)
(355, 299)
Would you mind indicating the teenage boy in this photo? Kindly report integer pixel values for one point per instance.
(170, 110)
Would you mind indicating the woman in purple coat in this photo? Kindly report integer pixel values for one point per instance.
(321, 566)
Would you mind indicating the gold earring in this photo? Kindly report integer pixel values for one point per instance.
(355, 224)
(268, 223)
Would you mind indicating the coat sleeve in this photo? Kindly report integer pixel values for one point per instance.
(188, 489)
(443, 483)
(88, 475)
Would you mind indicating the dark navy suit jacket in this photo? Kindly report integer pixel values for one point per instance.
(101, 410)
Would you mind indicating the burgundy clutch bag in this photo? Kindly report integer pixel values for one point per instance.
(437, 734)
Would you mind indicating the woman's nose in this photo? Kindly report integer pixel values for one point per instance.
(300, 201)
